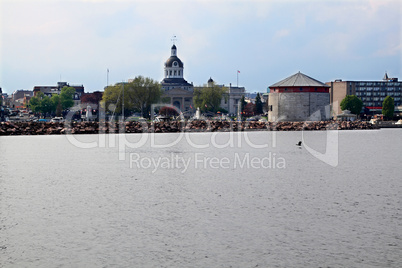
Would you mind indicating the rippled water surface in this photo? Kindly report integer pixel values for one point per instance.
(205, 200)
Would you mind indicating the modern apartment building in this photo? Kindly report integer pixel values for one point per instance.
(372, 93)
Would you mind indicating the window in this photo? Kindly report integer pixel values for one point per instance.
(170, 72)
(175, 72)
(179, 72)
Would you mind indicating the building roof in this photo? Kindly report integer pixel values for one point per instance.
(299, 80)
(175, 82)
(171, 60)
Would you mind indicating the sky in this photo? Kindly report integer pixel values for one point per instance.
(43, 42)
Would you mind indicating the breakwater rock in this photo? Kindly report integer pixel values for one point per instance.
(47, 128)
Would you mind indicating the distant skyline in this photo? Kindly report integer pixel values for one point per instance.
(267, 41)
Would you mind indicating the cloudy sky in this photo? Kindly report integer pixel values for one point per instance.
(43, 42)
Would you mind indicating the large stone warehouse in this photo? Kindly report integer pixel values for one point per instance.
(298, 98)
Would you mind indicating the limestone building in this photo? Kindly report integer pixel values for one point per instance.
(177, 91)
(298, 98)
(231, 98)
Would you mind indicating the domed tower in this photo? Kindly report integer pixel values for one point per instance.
(210, 82)
(178, 90)
(173, 70)
(173, 65)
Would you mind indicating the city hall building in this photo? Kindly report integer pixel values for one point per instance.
(177, 91)
(298, 98)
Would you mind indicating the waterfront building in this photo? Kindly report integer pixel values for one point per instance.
(177, 91)
(298, 98)
(372, 93)
(232, 96)
(50, 90)
(19, 98)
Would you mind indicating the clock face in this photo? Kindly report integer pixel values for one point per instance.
(175, 63)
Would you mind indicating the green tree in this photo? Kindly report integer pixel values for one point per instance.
(42, 104)
(139, 95)
(242, 103)
(142, 93)
(34, 103)
(258, 104)
(57, 106)
(352, 103)
(46, 105)
(388, 107)
(66, 97)
(208, 98)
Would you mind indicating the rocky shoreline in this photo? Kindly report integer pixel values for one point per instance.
(47, 128)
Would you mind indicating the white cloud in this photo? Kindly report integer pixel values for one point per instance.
(83, 37)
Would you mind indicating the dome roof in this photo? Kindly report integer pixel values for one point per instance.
(173, 61)
(210, 80)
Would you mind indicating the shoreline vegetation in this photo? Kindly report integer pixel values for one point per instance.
(48, 128)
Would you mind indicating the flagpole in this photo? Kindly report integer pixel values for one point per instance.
(237, 78)
(107, 78)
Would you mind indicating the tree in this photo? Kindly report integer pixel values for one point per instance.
(388, 107)
(143, 92)
(249, 109)
(34, 102)
(139, 95)
(42, 104)
(66, 97)
(352, 103)
(242, 103)
(46, 105)
(258, 104)
(208, 98)
(168, 111)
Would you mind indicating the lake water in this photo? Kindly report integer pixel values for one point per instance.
(202, 200)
